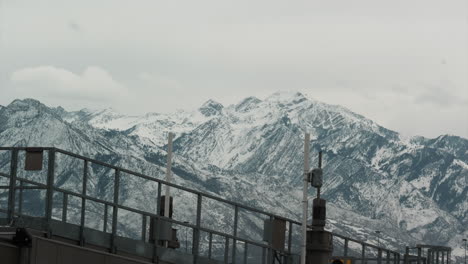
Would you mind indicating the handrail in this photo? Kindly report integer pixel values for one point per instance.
(119, 170)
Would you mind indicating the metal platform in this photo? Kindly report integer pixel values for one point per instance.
(29, 246)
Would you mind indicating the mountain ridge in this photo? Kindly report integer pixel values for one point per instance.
(261, 142)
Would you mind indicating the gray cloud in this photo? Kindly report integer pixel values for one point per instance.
(73, 25)
(442, 95)
(393, 61)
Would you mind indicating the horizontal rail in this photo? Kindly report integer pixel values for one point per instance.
(145, 213)
(39, 185)
(143, 176)
(364, 243)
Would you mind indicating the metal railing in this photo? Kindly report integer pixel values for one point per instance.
(229, 255)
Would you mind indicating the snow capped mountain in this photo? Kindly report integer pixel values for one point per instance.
(415, 190)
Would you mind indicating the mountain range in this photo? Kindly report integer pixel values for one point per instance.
(414, 190)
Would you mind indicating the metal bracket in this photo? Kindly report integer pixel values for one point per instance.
(22, 238)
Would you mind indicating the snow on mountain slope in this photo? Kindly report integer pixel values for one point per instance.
(362, 159)
(414, 189)
(30, 123)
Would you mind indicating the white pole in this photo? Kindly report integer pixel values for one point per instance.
(168, 175)
(304, 198)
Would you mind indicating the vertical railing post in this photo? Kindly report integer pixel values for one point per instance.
(143, 228)
(50, 184)
(20, 203)
(158, 202)
(269, 250)
(406, 257)
(363, 254)
(106, 213)
(158, 211)
(210, 244)
(83, 202)
(388, 257)
(379, 256)
(263, 255)
(12, 187)
(114, 210)
(290, 236)
(245, 253)
(196, 230)
(345, 251)
(64, 207)
(226, 251)
(234, 241)
(419, 255)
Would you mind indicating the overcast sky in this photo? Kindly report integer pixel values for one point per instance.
(402, 63)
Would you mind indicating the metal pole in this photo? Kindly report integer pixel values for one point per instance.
(143, 228)
(264, 255)
(186, 236)
(114, 210)
(406, 255)
(378, 237)
(83, 201)
(363, 254)
(234, 241)
(64, 207)
(465, 249)
(226, 250)
(196, 233)
(320, 166)
(168, 175)
(419, 255)
(12, 189)
(50, 184)
(270, 258)
(245, 253)
(345, 253)
(379, 254)
(105, 217)
(289, 237)
(20, 204)
(304, 198)
(210, 244)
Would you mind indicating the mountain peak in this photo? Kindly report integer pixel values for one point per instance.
(247, 104)
(287, 96)
(211, 107)
(25, 102)
(29, 104)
